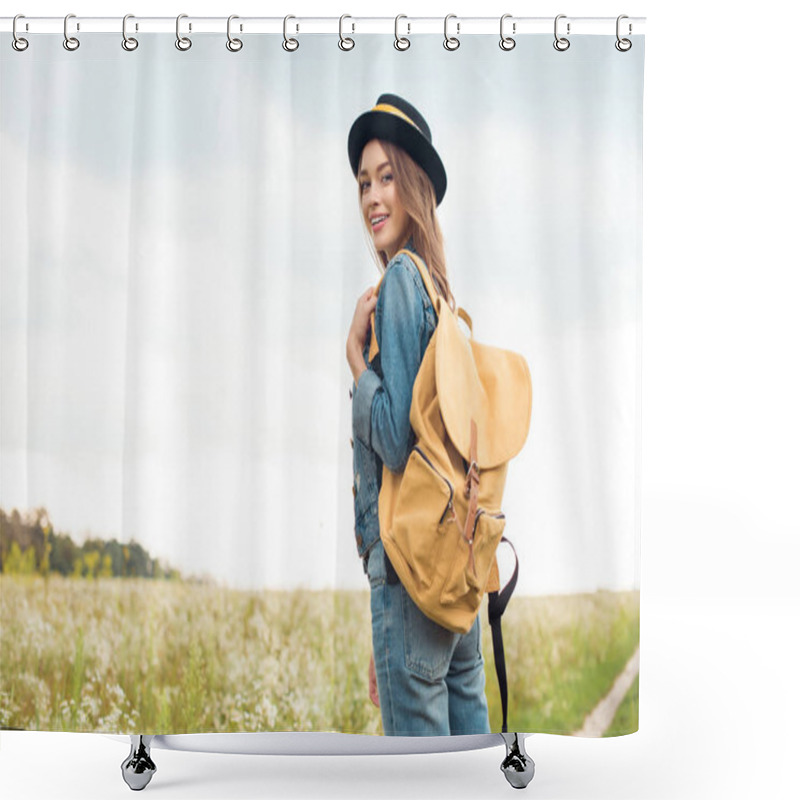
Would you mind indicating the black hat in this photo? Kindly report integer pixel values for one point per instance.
(395, 120)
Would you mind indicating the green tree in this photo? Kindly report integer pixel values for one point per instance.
(91, 560)
(77, 567)
(105, 567)
(114, 550)
(12, 564)
(62, 558)
(19, 561)
(44, 562)
(28, 561)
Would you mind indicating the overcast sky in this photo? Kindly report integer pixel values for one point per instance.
(181, 255)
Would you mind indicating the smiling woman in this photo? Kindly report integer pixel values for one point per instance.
(429, 679)
(383, 212)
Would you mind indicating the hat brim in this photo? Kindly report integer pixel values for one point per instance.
(381, 125)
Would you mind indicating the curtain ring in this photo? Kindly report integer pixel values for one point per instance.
(70, 42)
(234, 45)
(401, 43)
(18, 43)
(561, 43)
(451, 42)
(346, 43)
(507, 42)
(289, 45)
(128, 42)
(183, 43)
(623, 45)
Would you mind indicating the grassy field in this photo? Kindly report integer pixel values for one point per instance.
(627, 717)
(142, 656)
(563, 654)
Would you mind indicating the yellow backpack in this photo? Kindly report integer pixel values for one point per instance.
(441, 518)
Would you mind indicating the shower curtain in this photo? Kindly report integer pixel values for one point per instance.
(182, 250)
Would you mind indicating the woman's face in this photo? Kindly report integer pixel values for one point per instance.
(385, 216)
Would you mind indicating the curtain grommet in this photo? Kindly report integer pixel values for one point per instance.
(183, 43)
(401, 43)
(234, 45)
(289, 45)
(129, 43)
(561, 43)
(451, 43)
(19, 43)
(346, 44)
(70, 43)
(507, 42)
(623, 45)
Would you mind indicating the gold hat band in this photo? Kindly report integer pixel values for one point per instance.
(385, 107)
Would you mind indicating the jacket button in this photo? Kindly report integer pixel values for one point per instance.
(350, 392)
(359, 541)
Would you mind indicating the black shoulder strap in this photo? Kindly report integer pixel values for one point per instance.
(497, 605)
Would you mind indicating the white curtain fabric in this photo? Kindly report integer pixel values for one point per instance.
(182, 249)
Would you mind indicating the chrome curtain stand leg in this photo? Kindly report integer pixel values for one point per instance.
(138, 768)
(518, 766)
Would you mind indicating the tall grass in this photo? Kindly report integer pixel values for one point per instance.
(626, 719)
(562, 654)
(143, 656)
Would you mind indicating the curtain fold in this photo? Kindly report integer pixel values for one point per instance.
(182, 251)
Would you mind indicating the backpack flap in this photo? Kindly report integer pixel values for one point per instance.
(476, 381)
(486, 384)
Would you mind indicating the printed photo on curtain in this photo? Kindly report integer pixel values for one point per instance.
(309, 359)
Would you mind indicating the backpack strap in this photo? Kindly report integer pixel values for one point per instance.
(427, 280)
(466, 317)
(497, 605)
(430, 288)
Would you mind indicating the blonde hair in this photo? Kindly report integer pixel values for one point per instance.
(416, 193)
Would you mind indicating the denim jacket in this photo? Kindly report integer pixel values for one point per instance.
(404, 323)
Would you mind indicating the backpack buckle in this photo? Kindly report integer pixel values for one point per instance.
(473, 478)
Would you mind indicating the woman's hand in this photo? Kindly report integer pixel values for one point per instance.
(373, 683)
(359, 328)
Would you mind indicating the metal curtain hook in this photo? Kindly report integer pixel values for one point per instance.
(289, 45)
(401, 43)
(623, 45)
(451, 42)
(561, 43)
(346, 43)
(182, 42)
(70, 42)
(128, 42)
(507, 42)
(18, 43)
(234, 45)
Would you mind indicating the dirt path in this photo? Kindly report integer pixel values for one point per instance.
(598, 721)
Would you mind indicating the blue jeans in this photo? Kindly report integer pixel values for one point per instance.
(430, 680)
